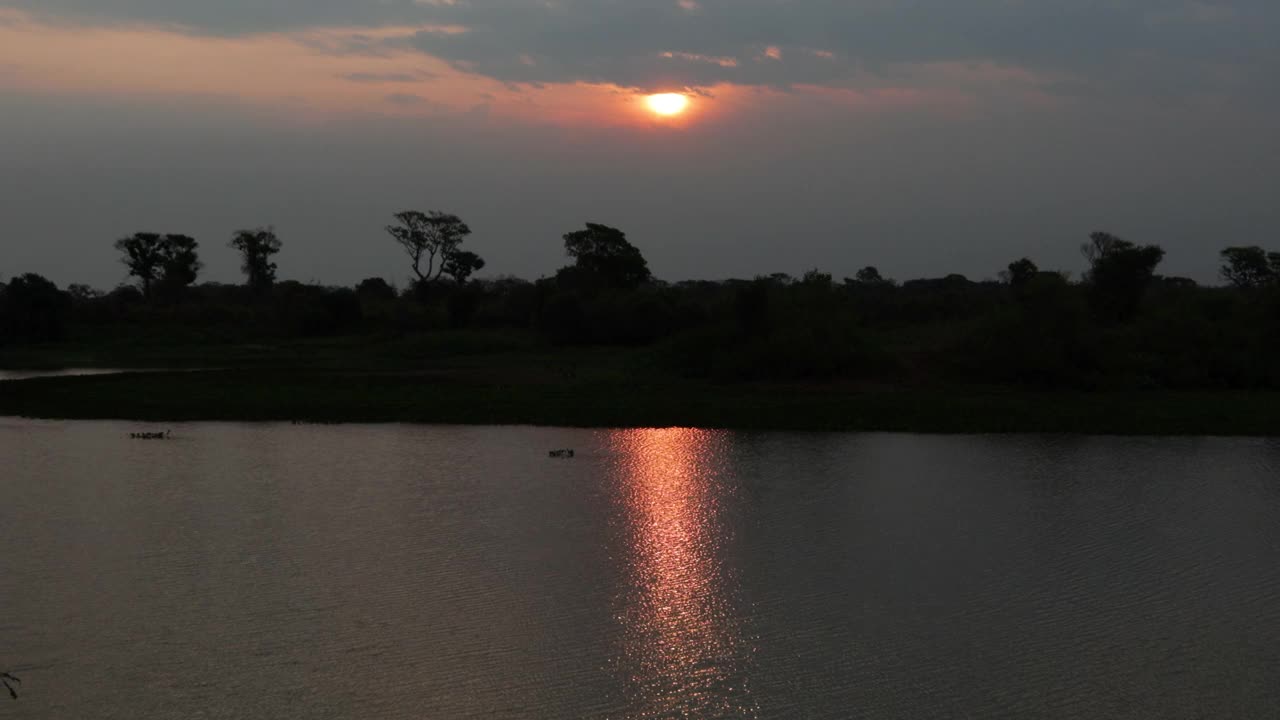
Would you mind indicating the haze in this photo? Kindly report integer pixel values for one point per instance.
(922, 137)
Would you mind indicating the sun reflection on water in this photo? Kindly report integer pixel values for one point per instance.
(684, 654)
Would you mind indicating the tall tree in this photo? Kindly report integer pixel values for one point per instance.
(170, 260)
(432, 236)
(181, 263)
(256, 248)
(144, 255)
(603, 254)
(1119, 273)
(1250, 267)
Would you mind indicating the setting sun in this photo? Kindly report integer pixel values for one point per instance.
(667, 104)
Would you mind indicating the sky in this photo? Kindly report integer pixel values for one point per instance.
(924, 137)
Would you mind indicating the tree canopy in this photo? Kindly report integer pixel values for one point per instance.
(256, 247)
(1250, 267)
(603, 255)
(434, 237)
(170, 260)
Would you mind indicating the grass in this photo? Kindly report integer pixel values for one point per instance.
(604, 400)
(506, 377)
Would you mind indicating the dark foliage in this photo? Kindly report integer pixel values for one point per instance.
(169, 261)
(434, 237)
(603, 258)
(32, 309)
(1250, 268)
(1119, 273)
(256, 248)
(1123, 326)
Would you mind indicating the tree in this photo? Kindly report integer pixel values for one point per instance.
(144, 255)
(1250, 267)
(816, 278)
(434, 236)
(375, 289)
(168, 260)
(82, 293)
(1119, 274)
(33, 308)
(603, 254)
(1100, 245)
(1020, 273)
(256, 248)
(460, 265)
(869, 275)
(180, 262)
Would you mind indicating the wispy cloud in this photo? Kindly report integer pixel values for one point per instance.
(387, 77)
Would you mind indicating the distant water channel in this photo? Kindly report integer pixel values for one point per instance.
(279, 571)
(68, 372)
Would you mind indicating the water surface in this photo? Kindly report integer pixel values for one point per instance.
(271, 571)
(64, 372)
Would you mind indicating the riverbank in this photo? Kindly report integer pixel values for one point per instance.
(596, 401)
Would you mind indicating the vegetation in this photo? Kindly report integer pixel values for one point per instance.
(1123, 349)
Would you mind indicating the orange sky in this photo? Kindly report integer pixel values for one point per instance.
(303, 75)
(297, 71)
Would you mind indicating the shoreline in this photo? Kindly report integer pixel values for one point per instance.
(284, 395)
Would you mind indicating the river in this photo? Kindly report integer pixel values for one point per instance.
(282, 571)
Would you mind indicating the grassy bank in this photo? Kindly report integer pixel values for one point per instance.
(603, 400)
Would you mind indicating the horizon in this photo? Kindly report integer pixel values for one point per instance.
(814, 136)
(406, 283)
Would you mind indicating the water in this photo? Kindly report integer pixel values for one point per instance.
(273, 571)
(66, 372)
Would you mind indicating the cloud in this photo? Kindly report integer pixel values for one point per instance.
(405, 99)
(387, 77)
(651, 44)
(1171, 48)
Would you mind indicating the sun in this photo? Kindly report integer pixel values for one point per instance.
(667, 104)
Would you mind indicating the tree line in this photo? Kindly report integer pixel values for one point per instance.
(1120, 323)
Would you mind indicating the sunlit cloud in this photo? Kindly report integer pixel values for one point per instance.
(727, 62)
(315, 71)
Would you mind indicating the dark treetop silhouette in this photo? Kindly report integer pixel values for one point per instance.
(256, 248)
(1120, 326)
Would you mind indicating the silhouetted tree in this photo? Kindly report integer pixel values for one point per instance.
(460, 265)
(433, 235)
(32, 308)
(375, 289)
(144, 255)
(1250, 267)
(1100, 245)
(602, 254)
(1119, 274)
(82, 293)
(869, 275)
(1020, 273)
(816, 278)
(180, 263)
(256, 248)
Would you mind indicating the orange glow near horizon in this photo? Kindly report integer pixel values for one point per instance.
(307, 76)
(667, 104)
